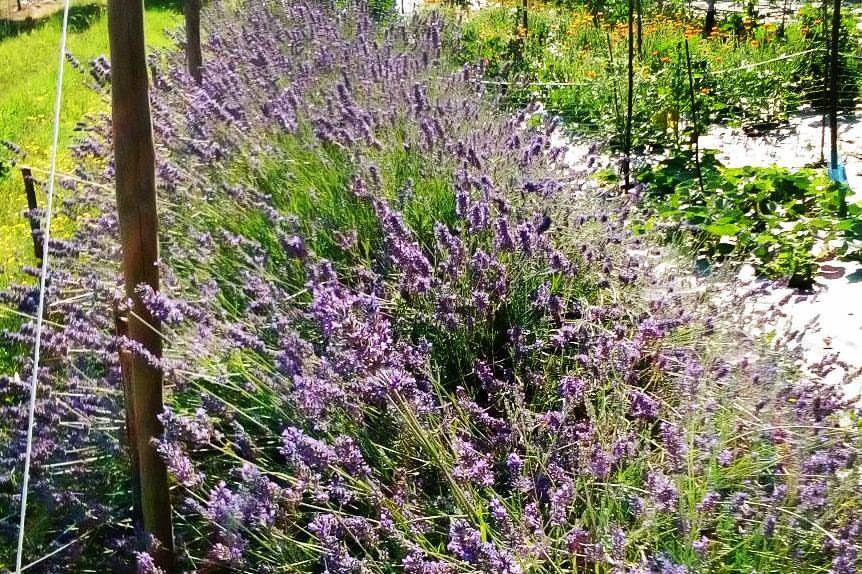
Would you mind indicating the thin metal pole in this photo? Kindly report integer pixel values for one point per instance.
(43, 282)
(695, 129)
(833, 85)
(630, 102)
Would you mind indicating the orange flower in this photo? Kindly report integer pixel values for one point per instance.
(705, 91)
(665, 59)
(591, 74)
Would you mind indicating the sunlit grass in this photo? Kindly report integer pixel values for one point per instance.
(28, 72)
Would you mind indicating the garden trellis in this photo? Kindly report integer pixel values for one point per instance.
(757, 92)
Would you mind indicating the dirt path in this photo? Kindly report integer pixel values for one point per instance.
(32, 10)
(794, 145)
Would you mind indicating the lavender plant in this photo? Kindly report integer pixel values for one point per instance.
(400, 337)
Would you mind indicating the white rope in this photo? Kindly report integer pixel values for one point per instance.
(46, 241)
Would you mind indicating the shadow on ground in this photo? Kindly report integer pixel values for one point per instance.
(80, 17)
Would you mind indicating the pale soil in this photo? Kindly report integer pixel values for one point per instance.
(32, 10)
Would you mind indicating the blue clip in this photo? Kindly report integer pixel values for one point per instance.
(839, 174)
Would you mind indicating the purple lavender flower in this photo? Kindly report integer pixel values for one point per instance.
(663, 492)
(465, 542)
(643, 406)
(573, 389)
(701, 546)
(471, 465)
(146, 564)
(708, 502)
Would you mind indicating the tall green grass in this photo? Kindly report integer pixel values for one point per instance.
(28, 73)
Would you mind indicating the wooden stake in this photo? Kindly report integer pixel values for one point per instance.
(194, 59)
(126, 361)
(709, 20)
(134, 160)
(695, 130)
(834, 71)
(524, 17)
(35, 230)
(613, 74)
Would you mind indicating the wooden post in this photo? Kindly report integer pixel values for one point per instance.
(32, 205)
(695, 130)
(627, 168)
(194, 59)
(126, 361)
(134, 160)
(613, 75)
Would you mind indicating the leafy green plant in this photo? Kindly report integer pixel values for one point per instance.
(781, 221)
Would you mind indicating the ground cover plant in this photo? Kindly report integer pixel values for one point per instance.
(399, 339)
(782, 221)
(28, 68)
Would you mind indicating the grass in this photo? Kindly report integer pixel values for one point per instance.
(28, 71)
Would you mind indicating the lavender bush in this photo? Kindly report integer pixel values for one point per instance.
(400, 338)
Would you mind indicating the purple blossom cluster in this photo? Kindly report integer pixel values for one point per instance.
(398, 336)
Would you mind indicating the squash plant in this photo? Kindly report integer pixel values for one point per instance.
(779, 220)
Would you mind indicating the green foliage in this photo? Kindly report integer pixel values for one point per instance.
(779, 220)
(574, 60)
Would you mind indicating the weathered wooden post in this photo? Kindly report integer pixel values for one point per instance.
(194, 59)
(709, 19)
(32, 205)
(134, 159)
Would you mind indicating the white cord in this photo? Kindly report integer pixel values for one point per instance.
(46, 241)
